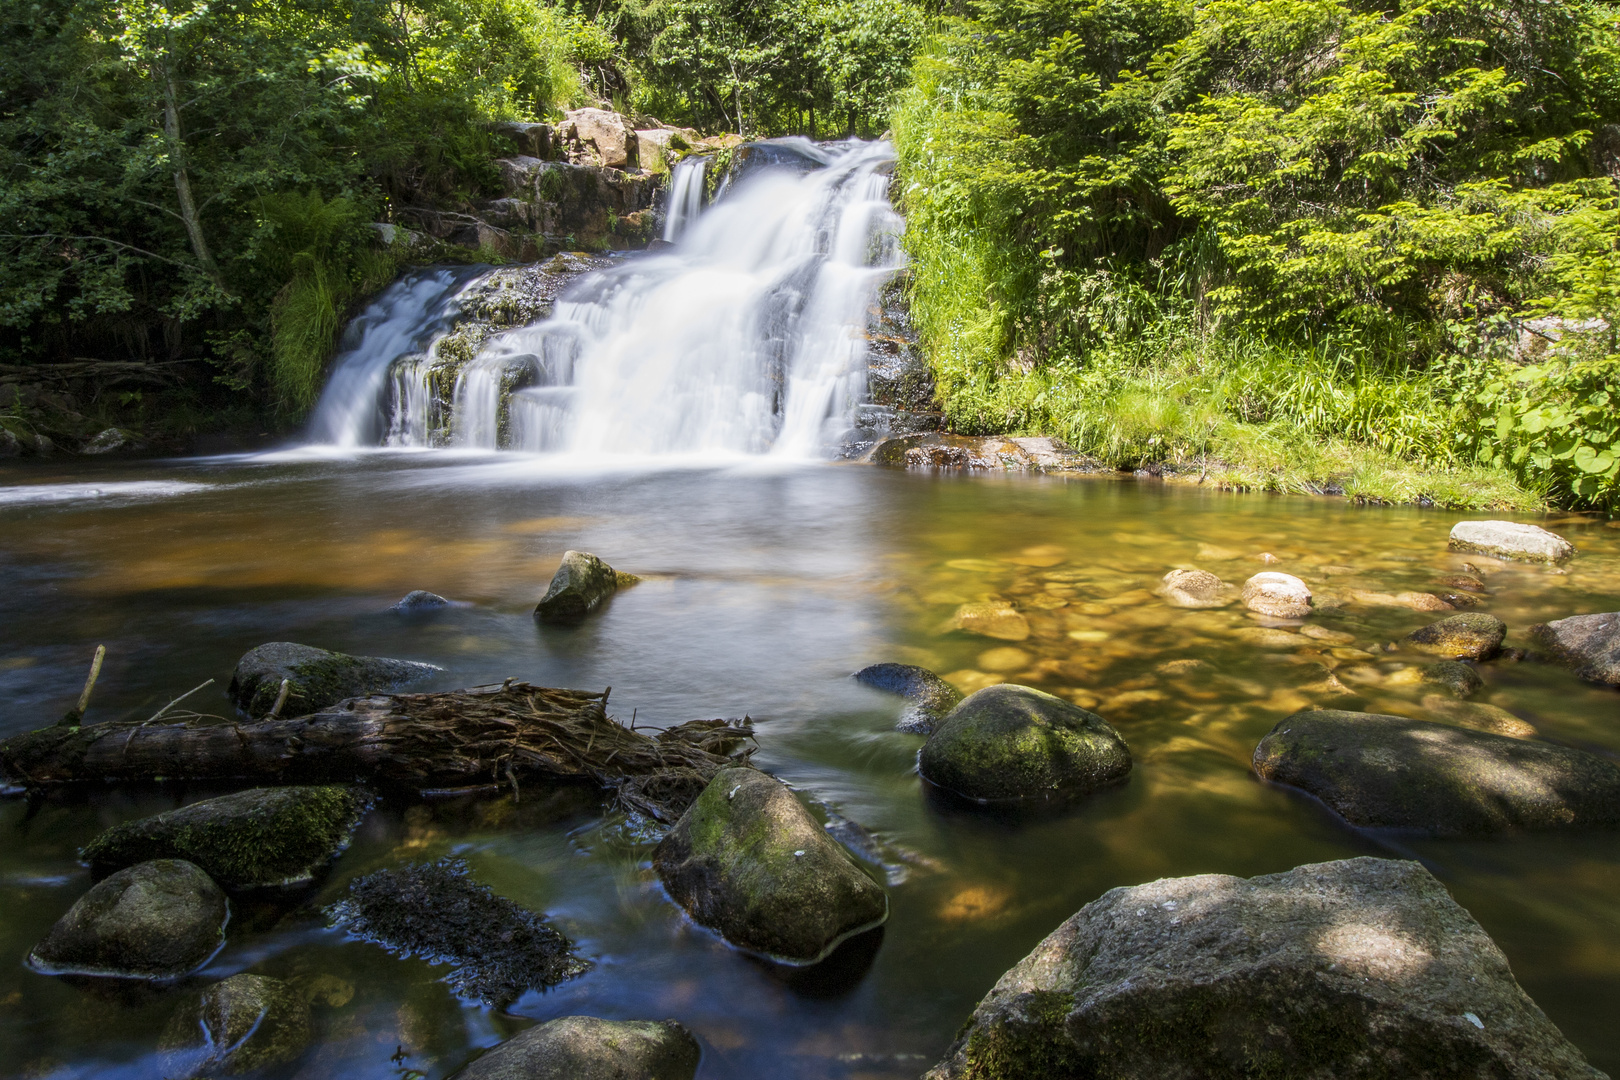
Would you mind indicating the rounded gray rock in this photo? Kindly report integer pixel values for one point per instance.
(420, 600)
(317, 678)
(158, 920)
(1588, 643)
(1194, 589)
(585, 1048)
(931, 697)
(241, 1023)
(1510, 540)
(1279, 595)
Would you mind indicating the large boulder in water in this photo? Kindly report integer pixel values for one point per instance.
(1588, 643)
(1011, 742)
(585, 1048)
(1510, 540)
(748, 860)
(1351, 970)
(159, 920)
(580, 584)
(316, 678)
(241, 1023)
(1281, 596)
(1391, 772)
(263, 836)
(931, 697)
(1474, 636)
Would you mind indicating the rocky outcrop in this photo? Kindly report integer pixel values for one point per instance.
(1474, 636)
(259, 837)
(1391, 772)
(1011, 742)
(243, 1023)
(1194, 589)
(607, 137)
(585, 1048)
(930, 696)
(578, 587)
(317, 678)
(1510, 540)
(159, 920)
(935, 450)
(748, 861)
(1279, 595)
(1355, 970)
(1588, 643)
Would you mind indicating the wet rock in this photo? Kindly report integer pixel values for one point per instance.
(1194, 589)
(1012, 742)
(420, 600)
(1462, 581)
(931, 697)
(585, 1048)
(263, 836)
(1416, 601)
(748, 861)
(1479, 716)
(1358, 969)
(158, 920)
(111, 441)
(1457, 678)
(1392, 772)
(242, 1023)
(318, 678)
(996, 620)
(1510, 540)
(1588, 643)
(496, 949)
(1473, 636)
(578, 587)
(1282, 596)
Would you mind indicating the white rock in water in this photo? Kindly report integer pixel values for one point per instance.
(1282, 596)
(1194, 589)
(1510, 540)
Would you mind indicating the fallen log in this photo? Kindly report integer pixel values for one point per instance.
(505, 735)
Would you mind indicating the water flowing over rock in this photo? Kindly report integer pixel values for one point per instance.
(931, 697)
(316, 678)
(242, 1023)
(1279, 595)
(158, 920)
(1354, 970)
(585, 1048)
(1588, 643)
(1510, 540)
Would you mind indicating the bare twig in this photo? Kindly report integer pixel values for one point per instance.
(177, 701)
(76, 714)
(281, 699)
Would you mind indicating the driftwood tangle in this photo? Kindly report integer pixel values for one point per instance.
(506, 735)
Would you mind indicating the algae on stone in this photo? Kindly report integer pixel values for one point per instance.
(242, 1023)
(317, 678)
(578, 587)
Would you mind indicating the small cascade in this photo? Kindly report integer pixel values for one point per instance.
(747, 336)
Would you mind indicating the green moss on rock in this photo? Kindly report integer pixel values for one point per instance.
(317, 678)
(242, 1023)
(578, 587)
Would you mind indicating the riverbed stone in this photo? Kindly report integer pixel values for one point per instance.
(578, 587)
(1012, 742)
(1478, 715)
(241, 1023)
(930, 696)
(1510, 540)
(586, 1048)
(157, 920)
(1380, 771)
(993, 619)
(748, 861)
(318, 678)
(1470, 636)
(1588, 643)
(1279, 595)
(1194, 589)
(420, 600)
(1454, 676)
(259, 837)
(1358, 969)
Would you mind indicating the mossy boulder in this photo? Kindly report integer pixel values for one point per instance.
(263, 836)
(1391, 772)
(1472, 636)
(317, 678)
(158, 920)
(1588, 643)
(1011, 742)
(1453, 676)
(1510, 540)
(578, 587)
(585, 1048)
(241, 1023)
(748, 861)
(930, 696)
(1351, 970)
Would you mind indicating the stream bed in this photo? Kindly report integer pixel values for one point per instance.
(765, 585)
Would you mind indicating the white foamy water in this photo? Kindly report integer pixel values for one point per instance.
(123, 489)
(745, 338)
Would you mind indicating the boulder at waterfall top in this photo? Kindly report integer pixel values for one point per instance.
(264, 836)
(1194, 589)
(585, 1048)
(241, 1023)
(1474, 636)
(158, 920)
(1510, 540)
(1351, 970)
(930, 696)
(317, 678)
(578, 587)
(1281, 596)
(748, 861)
(1011, 742)
(1588, 643)
(1393, 772)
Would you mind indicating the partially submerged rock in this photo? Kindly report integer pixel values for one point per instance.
(1354, 970)
(1479, 716)
(244, 1022)
(317, 679)
(263, 836)
(748, 861)
(496, 949)
(580, 584)
(159, 920)
(1279, 595)
(1194, 589)
(1510, 540)
(1588, 643)
(1011, 742)
(996, 619)
(420, 600)
(1471, 636)
(1454, 676)
(931, 697)
(1392, 772)
(585, 1048)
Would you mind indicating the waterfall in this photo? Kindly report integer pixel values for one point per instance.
(747, 336)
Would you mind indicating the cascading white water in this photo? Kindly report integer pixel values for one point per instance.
(746, 337)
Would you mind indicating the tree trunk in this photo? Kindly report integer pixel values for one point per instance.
(182, 181)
